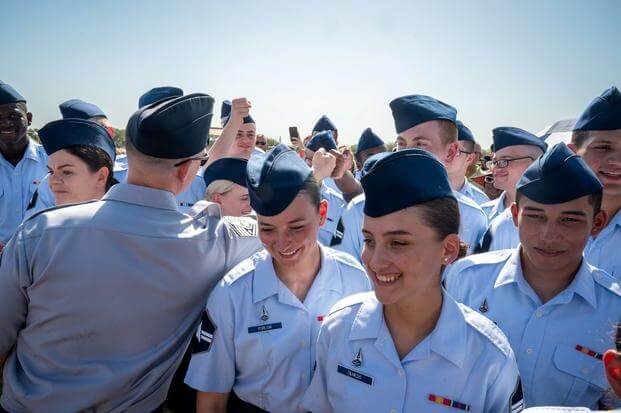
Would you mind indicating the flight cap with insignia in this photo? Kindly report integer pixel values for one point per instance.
(275, 179)
(411, 110)
(368, 140)
(324, 123)
(174, 128)
(9, 95)
(558, 176)
(157, 94)
(506, 136)
(464, 133)
(231, 169)
(225, 113)
(324, 139)
(63, 133)
(79, 109)
(403, 170)
(603, 113)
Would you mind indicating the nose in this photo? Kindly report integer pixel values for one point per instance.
(374, 259)
(550, 232)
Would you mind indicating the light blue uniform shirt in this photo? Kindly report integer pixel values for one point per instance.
(331, 232)
(98, 301)
(604, 251)
(353, 217)
(17, 186)
(494, 207)
(472, 222)
(502, 233)
(465, 359)
(546, 338)
(473, 192)
(263, 344)
(185, 200)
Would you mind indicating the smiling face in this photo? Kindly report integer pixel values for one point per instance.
(554, 236)
(404, 256)
(506, 178)
(602, 152)
(291, 236)
(235, 202)
(72, 181)
(14, 121)
(245, 140)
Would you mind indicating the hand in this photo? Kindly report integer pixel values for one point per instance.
(349, 157)
(323, 164)
(240, 108)
(339, 167)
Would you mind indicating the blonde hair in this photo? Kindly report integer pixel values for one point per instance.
(219, 186)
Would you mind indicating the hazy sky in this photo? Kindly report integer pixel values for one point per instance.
(525, 64)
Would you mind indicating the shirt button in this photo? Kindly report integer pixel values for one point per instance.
(400, 372)
(529, 351)
(302, 343)
(393, 411)
(539, 314)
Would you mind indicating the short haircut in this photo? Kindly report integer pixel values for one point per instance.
(595, 199)
(469, 146)
(312, 189)
(579, 137)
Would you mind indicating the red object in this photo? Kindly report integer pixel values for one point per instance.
(320, 318)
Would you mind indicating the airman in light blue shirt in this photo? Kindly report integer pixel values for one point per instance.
(473, 192)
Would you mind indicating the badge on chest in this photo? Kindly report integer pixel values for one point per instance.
(264, 315)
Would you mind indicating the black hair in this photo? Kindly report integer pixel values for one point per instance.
(442, 215)
(312, 189)
(595, 199)
(95, 159)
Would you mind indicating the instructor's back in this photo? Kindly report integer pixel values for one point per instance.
(99, 300)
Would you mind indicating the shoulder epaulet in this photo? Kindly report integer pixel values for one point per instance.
(343, 258)
(243, 268)
(203, 209)
(358, 199)
(607, 281)
(349, 301)
(464, 200)
(242, 226)
(486, 328)
(486, 258)
(56, 207)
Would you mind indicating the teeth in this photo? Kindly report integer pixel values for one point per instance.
(288, 254)
(387, 278)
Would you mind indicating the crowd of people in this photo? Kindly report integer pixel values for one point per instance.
(181, 274)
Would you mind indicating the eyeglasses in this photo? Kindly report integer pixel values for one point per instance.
(259, 143)
(203, 159)
(459, 151)
(503, 163)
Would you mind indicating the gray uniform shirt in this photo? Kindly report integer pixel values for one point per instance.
(98, 301)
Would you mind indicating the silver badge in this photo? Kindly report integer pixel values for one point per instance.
(357, 361)
(484, 307)
(264, 314)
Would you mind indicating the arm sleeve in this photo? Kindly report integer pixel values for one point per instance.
(241, 234)
(212, 366)
(451, 281)
(352, 235)
(14, 279)
(505, 393)
(316, 396)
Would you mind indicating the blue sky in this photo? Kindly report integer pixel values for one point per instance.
(525, 64)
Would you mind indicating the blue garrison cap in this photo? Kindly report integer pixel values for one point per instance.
(324, 139)
(174, 128)
(464, 133)
(603, 113)
(415, 176)
(158, 94)
(368, 140)
(231, 169)
(225, 113)
(409, 111)
(558, 176)
(79, 109)
(275, 179)
(9, 95)
(324, 123)
(63, 133)
(506, 136)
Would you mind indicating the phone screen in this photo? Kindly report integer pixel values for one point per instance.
(293, 133)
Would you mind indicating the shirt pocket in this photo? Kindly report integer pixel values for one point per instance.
(584, 376)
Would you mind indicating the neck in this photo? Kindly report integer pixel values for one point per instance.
(151, 181)
(509, 198)
(299, 277)
(548, 284)
(611, 205)
(457, 181)
(410, 321)
(14, 153)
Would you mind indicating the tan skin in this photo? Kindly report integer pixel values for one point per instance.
(234, 202)
(428, 136)
(505, 179)
(404, 258)
(71, 180)
(291, 239)
(14, 122)
(602, 152)
(552, 240)
(464, 158)
(244, 141)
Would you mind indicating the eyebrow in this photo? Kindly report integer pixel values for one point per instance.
(61, 166)
(577, 213)
(396, 232)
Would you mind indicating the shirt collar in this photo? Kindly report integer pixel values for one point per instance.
(466, 188)
(142, 195)
(583, 283)
(32, 152)
(265, 282)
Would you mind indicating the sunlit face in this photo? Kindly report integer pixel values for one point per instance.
(71, 181)
(235, 202)
(245, 140)
(401, 143)
(506, 178)
(602, 152)
(14, 122)
(463, 159)
(428, 136)
(403, 256)
(554, 236)
(291, 236)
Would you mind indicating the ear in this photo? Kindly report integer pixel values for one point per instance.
(612, 365)
(451, 152)
(514, 213)
(29, 117)
(323, 212)
(102, 177)
(452, 246)
(599, 222)
(217, 198)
